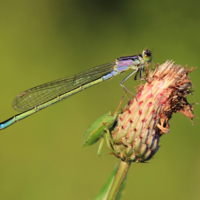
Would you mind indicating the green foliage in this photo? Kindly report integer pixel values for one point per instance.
(102, 195)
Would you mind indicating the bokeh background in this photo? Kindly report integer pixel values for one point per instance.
(43, 40)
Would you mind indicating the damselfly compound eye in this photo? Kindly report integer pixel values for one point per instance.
(147, 55)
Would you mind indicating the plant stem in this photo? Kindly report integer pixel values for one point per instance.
(119, 178)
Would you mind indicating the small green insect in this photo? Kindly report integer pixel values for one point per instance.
(100, 129)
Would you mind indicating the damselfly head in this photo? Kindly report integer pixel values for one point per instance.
(147, 55)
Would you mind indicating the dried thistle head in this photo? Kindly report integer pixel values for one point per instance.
(146, 118)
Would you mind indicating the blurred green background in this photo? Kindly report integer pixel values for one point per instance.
(43, 40)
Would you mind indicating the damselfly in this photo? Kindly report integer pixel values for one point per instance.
(39, 97)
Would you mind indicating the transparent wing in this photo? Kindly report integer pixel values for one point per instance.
(47, 91)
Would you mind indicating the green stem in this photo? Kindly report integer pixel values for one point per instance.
(119, 178)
